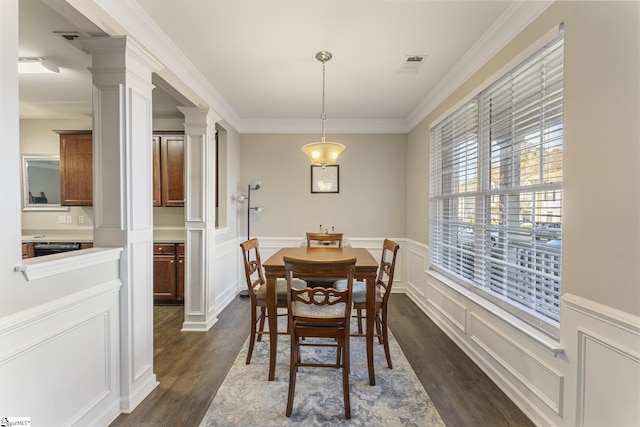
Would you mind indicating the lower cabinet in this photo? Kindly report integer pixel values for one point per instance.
(168, 273)
(27, 250)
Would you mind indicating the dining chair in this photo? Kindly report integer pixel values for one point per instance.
(257, 288)
(320, 313)
(384, 282)
(334, 239)
(331, 240)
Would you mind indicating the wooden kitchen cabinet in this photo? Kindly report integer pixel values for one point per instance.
(180, 271)
(76, 168)
(27, 250)
(157, 197)
(168, 169)
(168, 273)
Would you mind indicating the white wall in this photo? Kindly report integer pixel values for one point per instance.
(583, 383)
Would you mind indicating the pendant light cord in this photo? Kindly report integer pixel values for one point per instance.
(323, 117)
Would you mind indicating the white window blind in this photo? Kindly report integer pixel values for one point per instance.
(496, 190)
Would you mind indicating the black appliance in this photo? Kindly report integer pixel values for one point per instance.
(48, 248)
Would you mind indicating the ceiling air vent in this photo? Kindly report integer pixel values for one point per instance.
(412, 63)
(72, 37)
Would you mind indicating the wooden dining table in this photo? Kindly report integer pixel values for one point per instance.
(366, 270)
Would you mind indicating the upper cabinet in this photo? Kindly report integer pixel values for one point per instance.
(76, 169)
(168, 169)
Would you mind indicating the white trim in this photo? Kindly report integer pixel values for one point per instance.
(515, 61)
(311, 126)
(603, 313)
(137, 23)
(42, 312)
(541, 339)
(51, 265)
(505, 29)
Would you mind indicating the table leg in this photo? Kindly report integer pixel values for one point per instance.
(272, 313)
(371, 307)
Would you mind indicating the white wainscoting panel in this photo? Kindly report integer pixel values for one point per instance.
(61, 360)
(590, 377)
(541, 379)
(449, 308)
(226, 274)
(194, 300)
(417, 257)
(141, 327)
(607, 358)
(523, 368)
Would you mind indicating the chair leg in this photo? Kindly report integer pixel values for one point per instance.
(252, 335)
(385, 335)
(293, 368)
(378, 327)
(346, 366)
(263, 315)
(359, 311)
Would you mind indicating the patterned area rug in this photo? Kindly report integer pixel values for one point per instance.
(246, 398)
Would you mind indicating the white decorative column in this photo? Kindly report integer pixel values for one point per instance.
(122, 196)
(200, 220)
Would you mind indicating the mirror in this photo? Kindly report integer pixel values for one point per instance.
(41, 183)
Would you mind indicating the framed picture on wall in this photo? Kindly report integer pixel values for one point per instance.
(325, 179)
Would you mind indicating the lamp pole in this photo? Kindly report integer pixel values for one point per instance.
(245, 293)
(249, 207)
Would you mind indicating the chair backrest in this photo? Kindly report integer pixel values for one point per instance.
(320, 296)
(387, 266)
(252, 265)
(36, 199)
(325, 238)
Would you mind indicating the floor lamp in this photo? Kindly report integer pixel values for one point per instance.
(247, 198)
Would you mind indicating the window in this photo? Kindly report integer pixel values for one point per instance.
(496, 190)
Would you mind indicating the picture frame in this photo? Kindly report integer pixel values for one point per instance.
(325, 179)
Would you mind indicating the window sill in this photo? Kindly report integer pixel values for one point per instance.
(546, 342)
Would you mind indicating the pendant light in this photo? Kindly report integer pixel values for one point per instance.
(323, 153)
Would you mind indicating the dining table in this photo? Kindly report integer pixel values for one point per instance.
(366, 271)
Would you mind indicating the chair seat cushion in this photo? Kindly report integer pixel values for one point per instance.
(311, 310)
(359, 291)
(281, 289)
(319, 282)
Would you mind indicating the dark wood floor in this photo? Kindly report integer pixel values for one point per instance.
(190, 367)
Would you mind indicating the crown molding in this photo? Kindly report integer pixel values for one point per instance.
(137, 24)
(313, 126)
(515, 19)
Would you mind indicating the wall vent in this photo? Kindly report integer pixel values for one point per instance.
(72, 37)
(412, 63)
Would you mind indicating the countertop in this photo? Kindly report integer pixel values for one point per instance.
(160, 235)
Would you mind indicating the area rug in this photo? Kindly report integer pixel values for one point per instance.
(247, 399)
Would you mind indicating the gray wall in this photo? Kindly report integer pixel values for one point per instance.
(371, 202)
(601, 225)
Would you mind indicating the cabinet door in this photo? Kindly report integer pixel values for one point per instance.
(164, 277)
(172, 170)
(76, 170)
(157, 201)
(27, 250)
(180, 271)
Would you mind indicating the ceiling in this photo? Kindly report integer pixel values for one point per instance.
(258, 57)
